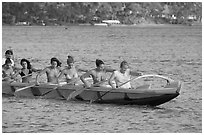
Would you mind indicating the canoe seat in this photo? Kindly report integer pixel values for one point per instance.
(146, 86)
(17, 84)
(173, 84)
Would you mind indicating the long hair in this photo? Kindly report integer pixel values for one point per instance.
(27, 61)
(70, 59)
(123, 63)
(9, 52)
(58, 62)
(99, 62)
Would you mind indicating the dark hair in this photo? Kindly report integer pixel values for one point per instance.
(70, 59)
(99, 62)
(8, 61)
(27, 61)
(55, 59)
(123, 63)
(9, 52)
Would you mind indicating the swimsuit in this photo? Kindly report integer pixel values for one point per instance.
(29, 72)
(69, 77)
(122, 78)
(4, 60)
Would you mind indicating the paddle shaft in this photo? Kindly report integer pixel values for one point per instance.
(143, 76)
(18, 78)
(55, 88)
(20, 89)
(25, 76)
(118, 87)
(77, 92)
(25, 88)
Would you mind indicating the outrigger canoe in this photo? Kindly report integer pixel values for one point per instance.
(143, 95)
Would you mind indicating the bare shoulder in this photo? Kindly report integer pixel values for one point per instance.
(107, 69)
(47, 69)
(93, 71)
(64, 70)
(90, 72)
(129, 70)
(114, 73)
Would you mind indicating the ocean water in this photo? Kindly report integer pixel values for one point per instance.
(170, 50)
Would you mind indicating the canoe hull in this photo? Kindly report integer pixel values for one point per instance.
(152, 101)
(152, 97)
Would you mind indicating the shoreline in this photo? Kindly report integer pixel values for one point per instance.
(115, 25)
(118, 25)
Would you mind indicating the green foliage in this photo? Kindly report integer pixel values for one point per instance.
(84, 12)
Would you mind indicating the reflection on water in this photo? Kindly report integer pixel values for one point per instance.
(173, 51)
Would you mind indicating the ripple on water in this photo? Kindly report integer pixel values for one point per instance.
(145, 50)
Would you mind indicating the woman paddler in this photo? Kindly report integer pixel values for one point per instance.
(70, 72)
(8, 55)
(26, 71)
(123, 75)
(7, 71)
(98, 74)
(52, 72)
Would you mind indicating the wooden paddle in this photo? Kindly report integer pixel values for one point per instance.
(24, 76)
(79, 91)
(17, 78)
(6, 78)
(143, 76)
(55, 88)
(20, 89)
(25, 88)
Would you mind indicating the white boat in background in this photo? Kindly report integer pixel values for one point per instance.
(100, 24)
(106, 23)
(111, 22)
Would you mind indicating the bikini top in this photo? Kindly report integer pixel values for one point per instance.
(68, 76)
(29, 72)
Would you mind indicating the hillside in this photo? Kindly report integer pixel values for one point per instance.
(60, 13)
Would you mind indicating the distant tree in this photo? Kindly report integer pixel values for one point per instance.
(74, 12)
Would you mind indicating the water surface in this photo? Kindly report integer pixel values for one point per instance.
(173, 51)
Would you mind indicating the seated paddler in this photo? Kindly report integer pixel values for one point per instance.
(98, 75)
(8, 55)
(26, 71)
(122, 75)
(70, 72)
(8, 73)
(52, 72)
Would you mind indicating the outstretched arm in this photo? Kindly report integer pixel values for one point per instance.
(80, 70)
(39, 74)
(109, 69)
(4, 76)
(87, 74)
(60, 76)
(111, 79)
(135, 73)
(36, 70)
(14, 75)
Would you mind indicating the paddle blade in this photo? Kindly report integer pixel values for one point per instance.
(24, 88)
(75, 93)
